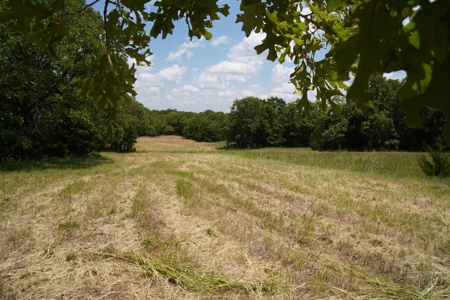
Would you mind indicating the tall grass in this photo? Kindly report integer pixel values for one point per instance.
(392, 164)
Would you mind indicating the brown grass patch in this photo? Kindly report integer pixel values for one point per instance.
(171, 143)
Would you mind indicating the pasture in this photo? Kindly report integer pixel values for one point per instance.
(184, 220)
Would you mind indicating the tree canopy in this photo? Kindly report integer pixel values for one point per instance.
(362, 37)
(41, 113)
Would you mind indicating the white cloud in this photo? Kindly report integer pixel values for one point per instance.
(212, 81)
(244, 51)
(285, 91)
(179, 55)
(187, 88)
(281, 74)
(236, 67)
(230, 93)
(243, 63)
(254, 90)
(395, 75)
(184, 50)
(193, 44)
(220, 40)
(172, 74)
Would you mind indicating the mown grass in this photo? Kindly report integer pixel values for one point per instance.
(200, 223)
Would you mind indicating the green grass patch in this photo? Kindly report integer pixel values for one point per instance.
(395, 164)
(73, 163)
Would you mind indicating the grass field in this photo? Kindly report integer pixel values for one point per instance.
(185, 220)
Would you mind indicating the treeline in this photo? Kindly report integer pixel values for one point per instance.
(255, 123)
(207, 126)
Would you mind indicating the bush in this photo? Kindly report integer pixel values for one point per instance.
(439, 166)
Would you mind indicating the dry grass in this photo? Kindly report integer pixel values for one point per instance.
(181, 220)
(173, 143)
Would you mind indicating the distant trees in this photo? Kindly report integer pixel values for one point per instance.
(380, 127)
(255, 123)
(207, 126)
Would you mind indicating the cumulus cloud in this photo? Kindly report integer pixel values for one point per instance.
(184, 50)
(244, 51)
(172, 74)
(187, 88)
(254, 90)
(220, 40)
(179, 55)
(212, 81)
(285, 91)
(235, 67)
(281, 74)
(243, 63)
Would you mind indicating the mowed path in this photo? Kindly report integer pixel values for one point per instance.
(121, 227)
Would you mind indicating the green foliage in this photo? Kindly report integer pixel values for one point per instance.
(380, 127)
(120, 128)
(364, 37)
(41, 113)
(245, 123)
(207, 126)
(439, 166)
(255, 123)
(169, 130)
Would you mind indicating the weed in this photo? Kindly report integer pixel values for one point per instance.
(71, 256)
(73, 187)
(139, 204)
(68, 227)
(6, 188)
(185, 189)
(439, 166)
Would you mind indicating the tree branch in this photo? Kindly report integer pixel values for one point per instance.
(83, 9)
(105, 13)
(307, 18)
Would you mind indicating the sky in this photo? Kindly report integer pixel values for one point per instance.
(198, 75)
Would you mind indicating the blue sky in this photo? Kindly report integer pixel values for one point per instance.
(198, 75)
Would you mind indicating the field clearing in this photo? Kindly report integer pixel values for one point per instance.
(184, 220)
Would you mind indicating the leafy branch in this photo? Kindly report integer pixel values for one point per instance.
(82, 9)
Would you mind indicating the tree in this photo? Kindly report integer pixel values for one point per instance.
(380, 127)
(246, 129)
(41, 113)
(207, 126)
(364, 37)
(255, 123)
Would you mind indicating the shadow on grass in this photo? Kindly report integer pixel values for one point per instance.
(73, 163)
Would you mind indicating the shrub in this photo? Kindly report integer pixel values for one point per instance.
(439, 165)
